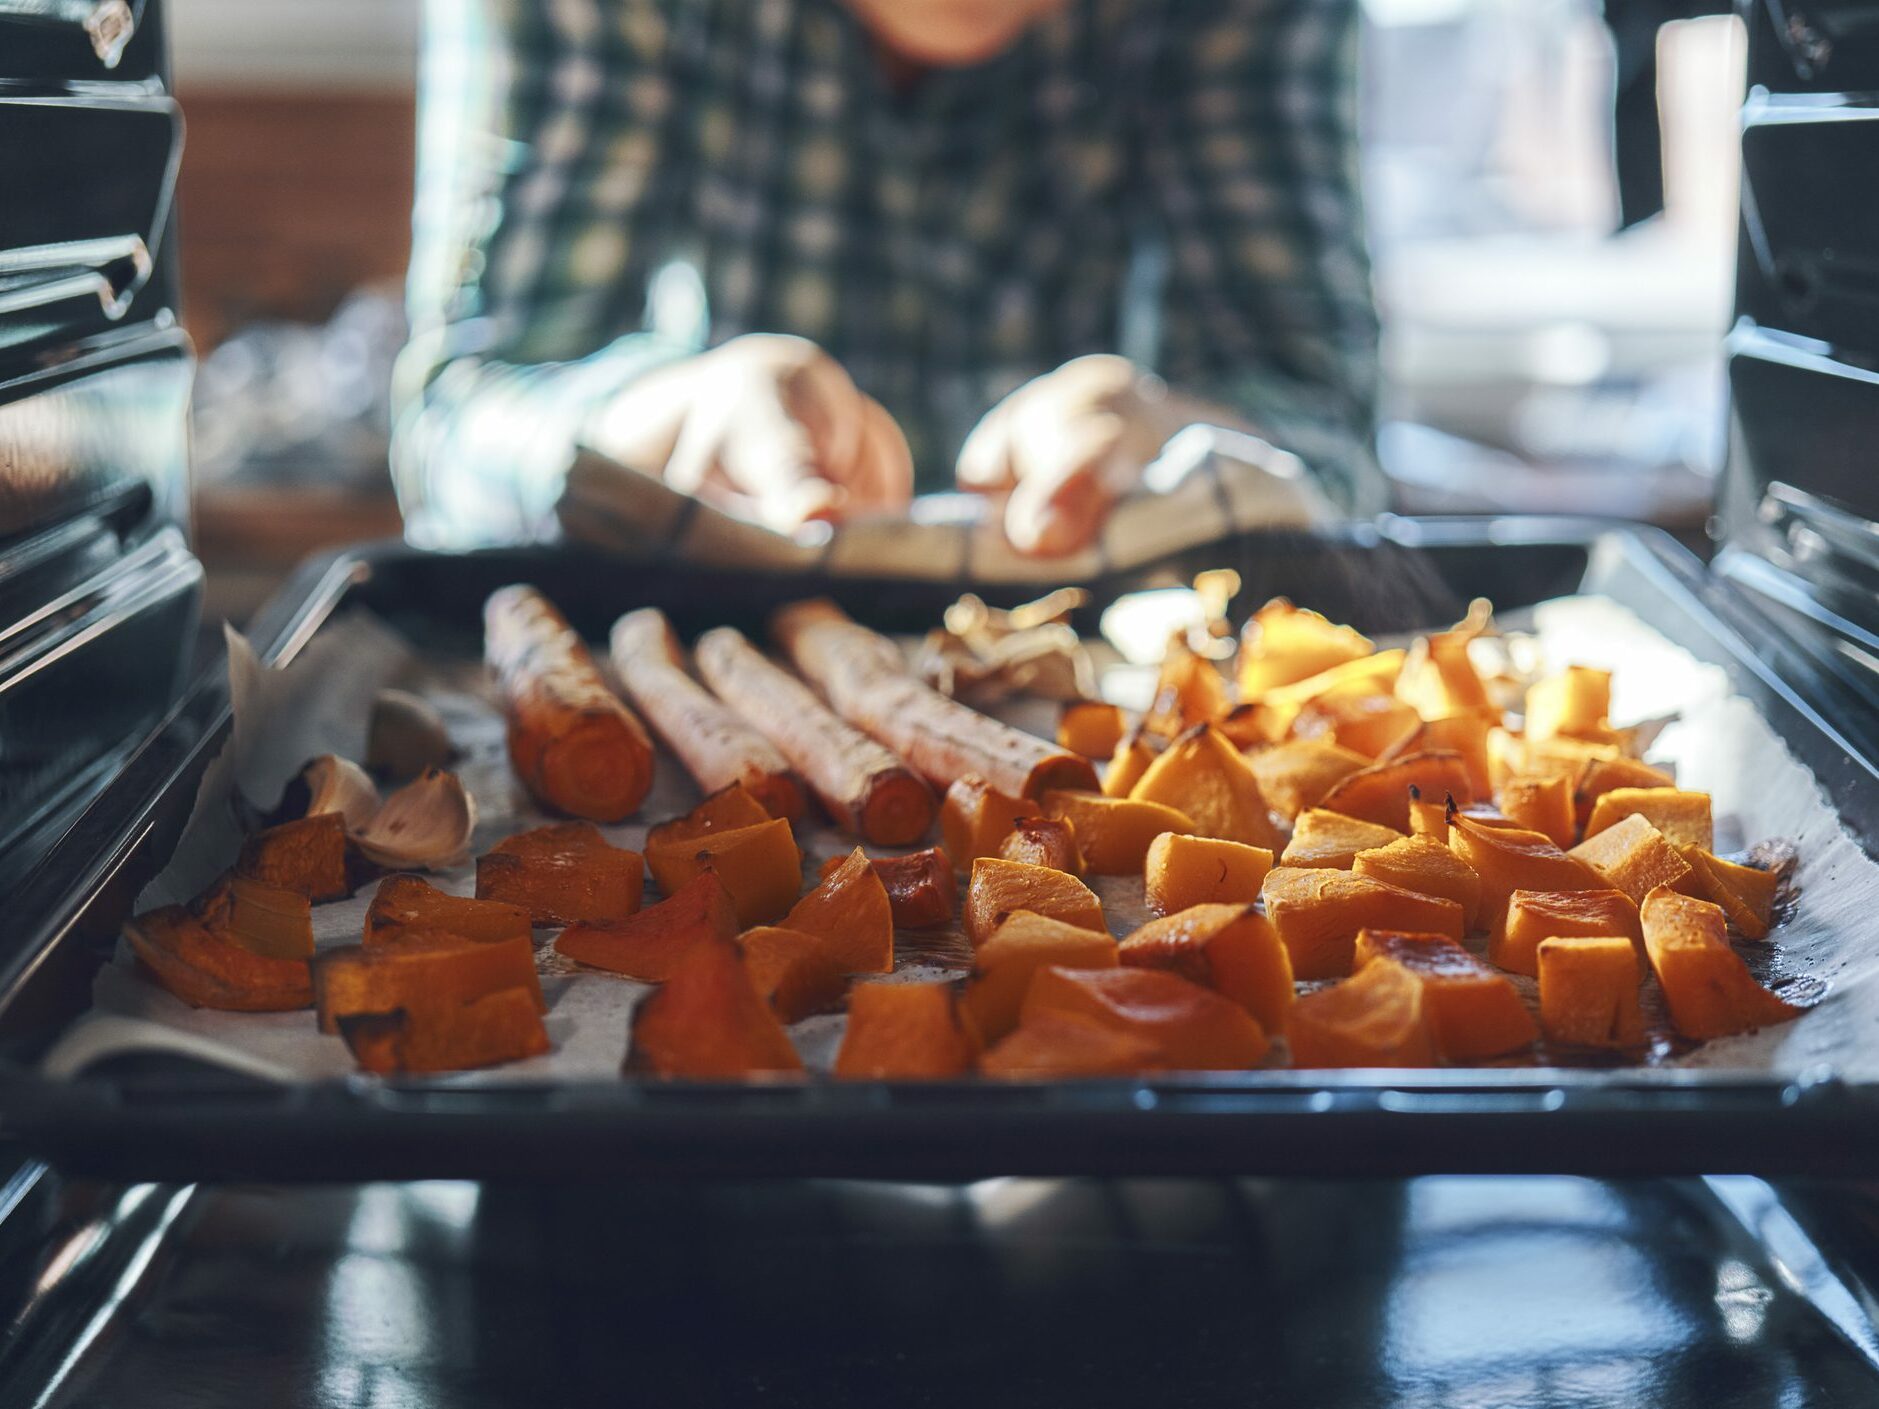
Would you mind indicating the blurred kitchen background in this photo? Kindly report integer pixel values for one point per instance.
(1552, 339)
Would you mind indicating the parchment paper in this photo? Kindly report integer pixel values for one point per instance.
(1825, 952)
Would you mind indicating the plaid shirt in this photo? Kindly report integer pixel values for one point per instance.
(605, 185)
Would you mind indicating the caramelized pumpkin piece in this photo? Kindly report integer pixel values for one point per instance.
(1589, 991)
(1044, 841)
(1426, 867)
(1683, 817)
(850, 911)
(1231, 949)
(429, 1036)
(1189, 690)
(1114, 833)
(417, 970)
(1537, 915)
(1746, 895)
(1508, 859)
(1202, 776)
(1000, 888)
(646, 946)
(562, 874)
(410, 905)
(708, 1023)
(1594, 777)
(1365, 724)
(1282, 644)
(1439, 679)
(1054, 1045)
(1319, 912)
(1298, 773)
(1380, 793)
(1426, 818)
(1472, 1012)
(1576, 701)
(1376, 1018)
(1542, 805)
(726, 810)
(208, 971)
(1707, 987)
(904, 1032)
(1183, 870)
(1091, 728)
(1191, 1028)
(1127, 765)
(1330, 839)
(1465, 735)
(975, 819)
(263, 919)
(1633, 856)
(921, 889)
(307, 856)
(796, 973)
(1019, 947)
(760, 867)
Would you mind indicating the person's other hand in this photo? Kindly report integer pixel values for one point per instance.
(1064, 447)
(769, 427)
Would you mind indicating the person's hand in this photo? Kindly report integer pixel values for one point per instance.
(1064, 446)
(769, 427)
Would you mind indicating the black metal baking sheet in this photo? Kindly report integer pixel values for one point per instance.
(137, 1120)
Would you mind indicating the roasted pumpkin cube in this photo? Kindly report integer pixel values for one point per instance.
(409, 905)
(1202, 776)
(1440, 680)
(562, 874)
(1365, 724)
(647, 945)
(263, 919)
(707, 1022)
(1508, 859)
(307, 856)
(1465, 735)
(1282, 644)
(1091, 728)
(851, 912)
(975, 819)
(1127, 765)
(726, 810)
(1189, 690)
(1192, 1029)
(1044, 841)
(429, 1036)
(1376, 1018)
(1746, 895)
(796, 973)
(1683, 817)
(1296, 774)
(760, 867)
(1426, 867)
(1054, 1046)
(1114, 833)
(1380, 793)
(1536, 915)
(1707, 987)
(1319, 912)
(1232, 949)
(1330, 839)
(922, 890)
(207, 971)
(1426, 818)
(1023, 944)
(1589, 991)
(416, 970)
(1254, 725)
(1542, 805)
(1576, 701)
(1000, 888)
(1184, 870)
(1596, 776)
(1472, 1012)
(904, 1032)
(1633, 856)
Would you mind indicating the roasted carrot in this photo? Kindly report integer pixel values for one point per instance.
(716, 747)
(865, 787)
(864, 677)
(573, 744)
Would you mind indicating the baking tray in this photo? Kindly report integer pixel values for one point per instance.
(146, 1120)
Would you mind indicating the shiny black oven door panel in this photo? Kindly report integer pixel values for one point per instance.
(80, 41)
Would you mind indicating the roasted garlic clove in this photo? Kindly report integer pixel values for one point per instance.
(425, 825)
(335, 784)
(406, 736)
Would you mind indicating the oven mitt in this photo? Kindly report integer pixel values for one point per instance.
(1209, 483)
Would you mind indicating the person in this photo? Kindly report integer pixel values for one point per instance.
(805, 257)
